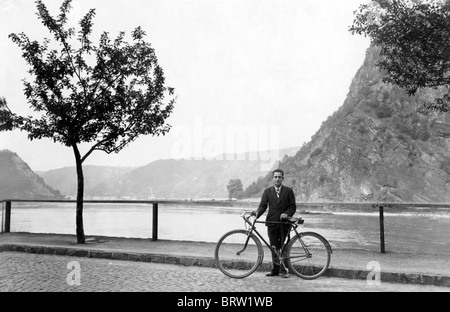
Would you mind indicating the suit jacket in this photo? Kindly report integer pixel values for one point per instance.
(277, 206)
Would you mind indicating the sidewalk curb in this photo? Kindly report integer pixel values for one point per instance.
(355, 274)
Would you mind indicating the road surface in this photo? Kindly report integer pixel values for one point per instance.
(23, 272)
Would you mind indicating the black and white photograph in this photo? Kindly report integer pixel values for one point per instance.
(224, 153)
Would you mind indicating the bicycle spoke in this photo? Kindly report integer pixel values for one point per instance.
(237, 255)
(309, 256)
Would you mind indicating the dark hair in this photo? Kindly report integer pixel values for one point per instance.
(278, 170)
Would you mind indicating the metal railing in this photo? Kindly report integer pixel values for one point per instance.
(351, 206)
(6, 216)
(381, 207)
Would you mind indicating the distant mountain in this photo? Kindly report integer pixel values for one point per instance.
(380, 145)
(96, 179)
(169, 178)
(18, 181)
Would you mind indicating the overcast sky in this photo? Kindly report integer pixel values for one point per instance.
(247, 74)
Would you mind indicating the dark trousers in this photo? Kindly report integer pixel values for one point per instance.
(277, 234)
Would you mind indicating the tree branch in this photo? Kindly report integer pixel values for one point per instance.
(93, 148)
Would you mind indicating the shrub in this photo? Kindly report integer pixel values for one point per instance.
(322, 179)
(382, 129)
(356, 121)
(317, 152)
(372, 103)
(411, 128)
(385, 96)
(425, 136)
(384, 111)
(445, 165)
(401, 137)
(362, 129)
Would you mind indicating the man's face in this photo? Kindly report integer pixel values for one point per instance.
(277, 179)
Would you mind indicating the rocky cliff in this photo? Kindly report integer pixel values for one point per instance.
(18, 181)
(380, 145)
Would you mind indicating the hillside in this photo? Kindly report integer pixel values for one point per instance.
(168, 178)
(18, 181)
(380, 145)
(96, 179)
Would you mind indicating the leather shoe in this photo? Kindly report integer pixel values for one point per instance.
(271, 273)
(284, 274)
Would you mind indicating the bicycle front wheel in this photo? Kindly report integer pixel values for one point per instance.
(308, 255)
(237, 254)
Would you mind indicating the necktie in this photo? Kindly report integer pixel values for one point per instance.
(278, 192)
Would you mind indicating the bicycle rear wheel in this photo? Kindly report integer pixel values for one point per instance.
(234, 257)
(308, 255)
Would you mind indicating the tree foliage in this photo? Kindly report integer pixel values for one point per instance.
(414, 37)
(235, 189)
(105, 95)
(109, 103)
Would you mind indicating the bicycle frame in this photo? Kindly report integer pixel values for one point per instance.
(293, 226)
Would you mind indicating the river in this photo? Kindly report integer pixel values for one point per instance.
(414, 232)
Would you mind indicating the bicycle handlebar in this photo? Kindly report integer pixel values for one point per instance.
(247, 215)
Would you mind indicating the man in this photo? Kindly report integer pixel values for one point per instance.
(281, 202)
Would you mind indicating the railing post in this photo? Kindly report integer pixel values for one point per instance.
(382, 229)
(3, 217)
(155, 222)
(7, 216)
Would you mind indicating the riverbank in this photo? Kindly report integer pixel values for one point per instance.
(330, 207)
(252, 204)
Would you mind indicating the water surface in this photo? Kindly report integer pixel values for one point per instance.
(404, 232)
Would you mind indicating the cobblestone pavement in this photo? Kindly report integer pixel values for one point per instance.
(49, 273)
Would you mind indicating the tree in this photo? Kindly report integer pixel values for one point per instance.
(105, 95)
(235, 189)
(414, 37)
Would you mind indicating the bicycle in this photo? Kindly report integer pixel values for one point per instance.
(239, 253)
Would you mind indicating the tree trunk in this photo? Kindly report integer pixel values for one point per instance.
(80, 196)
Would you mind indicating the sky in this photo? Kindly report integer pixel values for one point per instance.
(248, 74)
